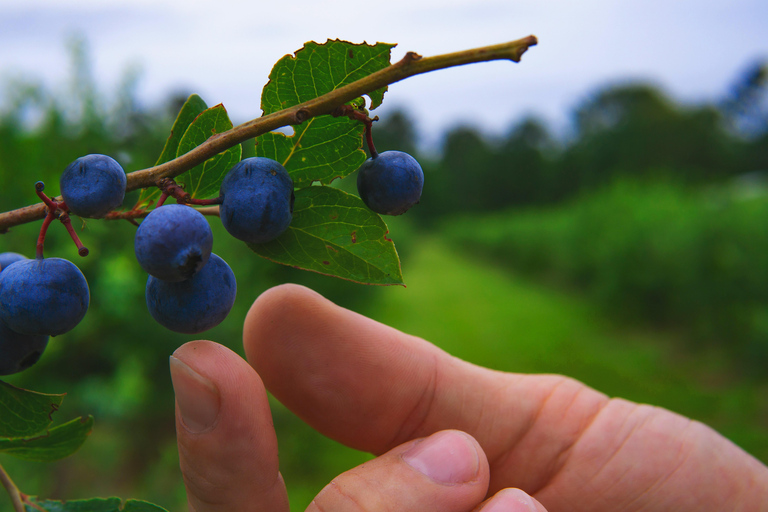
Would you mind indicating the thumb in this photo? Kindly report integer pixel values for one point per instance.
(445, 472)
(227, 444)
(511, 500)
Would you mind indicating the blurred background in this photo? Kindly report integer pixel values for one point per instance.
(599, 210)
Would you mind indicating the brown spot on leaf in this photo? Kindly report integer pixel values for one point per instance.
(334, 216)
(351, 55)
(326, 262)
(354, 237)
(54, 408)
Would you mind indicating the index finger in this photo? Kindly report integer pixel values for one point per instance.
(372, 387)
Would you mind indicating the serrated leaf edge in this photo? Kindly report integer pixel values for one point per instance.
(295, 55)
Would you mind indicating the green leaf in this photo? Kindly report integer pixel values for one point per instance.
(57, 443)
(89, 505)
(334, 233)
(204, 180)
(25, 413)
(322, 148)
(193, 107)
(94, 505)
(141, 506)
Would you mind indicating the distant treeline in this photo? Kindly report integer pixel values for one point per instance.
(632, 130)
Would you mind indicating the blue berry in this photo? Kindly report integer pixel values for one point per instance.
(7, 258)
(43, 296)
(173, 242)
(390, 183)
(93, 185)
(194, 305)
(257, 200)
(19, 351)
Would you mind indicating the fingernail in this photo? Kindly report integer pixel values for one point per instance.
(447, 457)
(197, 398)
(510, 500)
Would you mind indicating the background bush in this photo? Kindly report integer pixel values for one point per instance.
(657, 253)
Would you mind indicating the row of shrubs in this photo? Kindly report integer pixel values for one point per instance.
(651, 252)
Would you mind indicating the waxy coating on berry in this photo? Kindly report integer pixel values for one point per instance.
(390, 183)
(257, 200)
(197, 304)
(173, 242)
(7, 258)
(19, 351)
(43, 296)
(93, 185)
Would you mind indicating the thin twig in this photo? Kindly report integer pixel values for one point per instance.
(410, 65)
(13, 491)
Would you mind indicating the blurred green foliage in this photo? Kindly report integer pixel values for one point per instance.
(659, 254)
(638, 205)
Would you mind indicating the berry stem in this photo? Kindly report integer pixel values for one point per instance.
(161, 200)
(206, 202)
(369, 139)
(55, 209)
(49, 203)
(81, 250)
(410, 65)
(43, 230)
(359, 115)
(169, 188)
(13, 491)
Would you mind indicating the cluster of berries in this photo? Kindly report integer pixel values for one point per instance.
(45, 297)
(189, 289)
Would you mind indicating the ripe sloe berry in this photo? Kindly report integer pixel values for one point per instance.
(7, 258)
(390, 183)
(43, 296)
(257, 200)
(194, 305)
(93, 185)
(173, 242)
(19, 351)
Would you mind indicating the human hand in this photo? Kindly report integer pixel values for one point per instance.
(376, 389)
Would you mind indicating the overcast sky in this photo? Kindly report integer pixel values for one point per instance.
(225, 49)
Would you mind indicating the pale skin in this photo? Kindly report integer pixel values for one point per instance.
(449, 436)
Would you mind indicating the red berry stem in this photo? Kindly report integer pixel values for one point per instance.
(170, 188)
(359, 115)
(81, 250)
(56, 209)
(50, 203)
(205, 202)
(43, 230)
(369, 139)
(162, 199)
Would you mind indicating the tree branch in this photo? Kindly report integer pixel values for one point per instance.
(410, 65)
